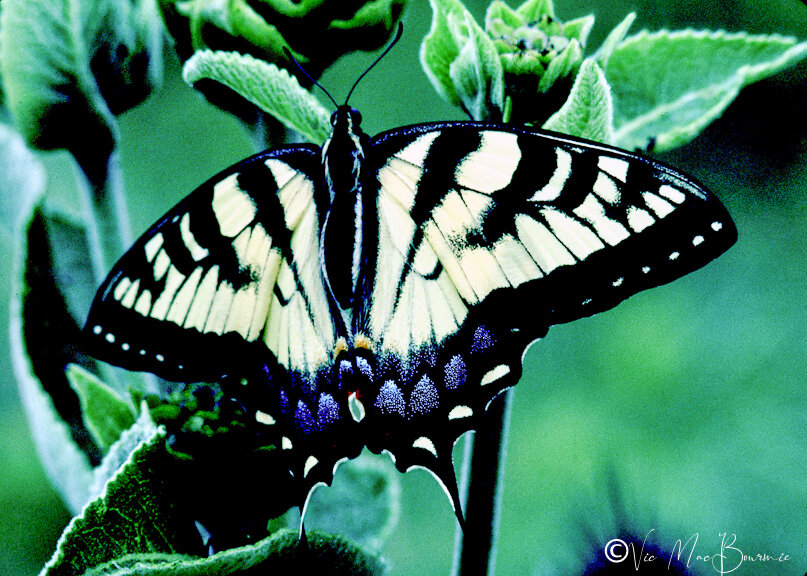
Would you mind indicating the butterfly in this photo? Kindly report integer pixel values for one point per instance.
(381, 292)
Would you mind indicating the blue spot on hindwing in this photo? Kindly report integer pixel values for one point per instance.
(304, 419)
(284, 402)
(425, 397)
(483, 339)
(390, 399)
(328, 410)
(455, 372)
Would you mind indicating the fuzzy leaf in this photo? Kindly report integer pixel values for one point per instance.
(119, 453)
(579, 28)
(440, 48)
(668, 86)
(461, 61)
(362, 503)
(263, 28)
(22, 181)
(588, 112)
(501, 19)
(613, 40)
(281, 554)
(64, 462)
(533, 10)
(69, 67)
(477, 76)
(42, 340)
(562, 66)
(132, 516)
(106, 413)
(270, 88)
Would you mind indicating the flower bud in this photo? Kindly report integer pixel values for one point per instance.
(540, 56)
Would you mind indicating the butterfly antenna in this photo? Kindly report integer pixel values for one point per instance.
(291, 57)
(376, 61)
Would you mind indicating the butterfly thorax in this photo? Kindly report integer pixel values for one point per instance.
(348, 231)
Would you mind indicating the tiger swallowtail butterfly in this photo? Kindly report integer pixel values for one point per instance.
(380, 292)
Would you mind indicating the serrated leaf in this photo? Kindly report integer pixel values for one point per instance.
(270, 88)
(363, 503)
(106, 413)
(130, 439)
(281, 554)
(588, 112)
(462, 62)
(133, 515)
(69, 67)
(668, 86)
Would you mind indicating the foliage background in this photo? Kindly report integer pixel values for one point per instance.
(681, 411)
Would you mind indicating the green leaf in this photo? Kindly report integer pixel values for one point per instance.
(562, 66)
(440, 47)
(270, 88)
(42, 339)
(462, 62)
(134, 514)
(668, 86)
(478, 77)
(263, 28)
(533, 10)
(500, 19)
(22, 181)
(588, 112)
(69, 67)
(281, 554)
(371, 15)
(363, 503)
(121, 451)
(579, 28)
(106, 413)
(613, 39)
(65, 464)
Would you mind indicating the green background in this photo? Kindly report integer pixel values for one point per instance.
(682, 411)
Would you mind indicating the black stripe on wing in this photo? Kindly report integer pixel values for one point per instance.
(170, 305)
(609, 222)
(489, 235)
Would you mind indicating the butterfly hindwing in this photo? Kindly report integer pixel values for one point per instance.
(487, 236)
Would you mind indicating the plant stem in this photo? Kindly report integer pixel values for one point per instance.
(484, 458)
(105, 216)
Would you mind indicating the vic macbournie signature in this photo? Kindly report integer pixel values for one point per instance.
(725, 561)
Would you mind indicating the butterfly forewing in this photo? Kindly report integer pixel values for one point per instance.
(487, 236)
(231, 263)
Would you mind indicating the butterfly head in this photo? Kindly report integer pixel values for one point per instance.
(346, 118)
